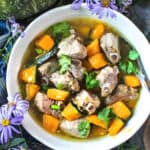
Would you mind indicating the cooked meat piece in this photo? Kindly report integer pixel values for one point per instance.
(66, 80)
(43, 103)
(77, 69)
(110, 45)
(72, 47)
(108, 79)
(71, 128)
(48, 68)
(86, 102)
(123, 93)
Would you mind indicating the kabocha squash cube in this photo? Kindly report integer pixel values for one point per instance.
(116, 125)
(70, 112)
(45, 42)
(121, 110)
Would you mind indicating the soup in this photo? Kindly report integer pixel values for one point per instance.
(80, 78)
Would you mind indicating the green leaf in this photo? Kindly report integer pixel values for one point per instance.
(106, 115)
(39, 51)
(123, 66)
(128, 67)
(60, 31)
(16, 141)
(60, 86)
(90, 80)
(44, 87)
(55, 107)
(133, 55)
(127, 146)
(64, 63)
(84, 128)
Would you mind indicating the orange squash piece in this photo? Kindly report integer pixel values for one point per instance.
(45, 42)
(97, 61)
(121, 110)
(116, 125)
(84, 30)
(31, 90)
(132, 81)
(50, 123)
(28, 75)
(96, 121)
(98, 31)
(93, 48)
(70, 112)
(56, 94)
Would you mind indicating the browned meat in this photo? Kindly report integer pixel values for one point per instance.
(123, 93)
(73, 47)
(71, 128)
(110, 45)
(77, 69)
(108, 79)
(43, 103)
(48, 68)
(86, 102)
(66, 80)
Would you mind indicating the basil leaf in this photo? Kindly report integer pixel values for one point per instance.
(64, 63)
(55, 107)
(90, 80)
(106, 115)
(84, 128)
(133, 55)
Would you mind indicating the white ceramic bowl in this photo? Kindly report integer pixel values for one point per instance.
(128, 30)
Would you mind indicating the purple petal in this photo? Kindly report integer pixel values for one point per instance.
(1, 127)
(77, 4)
(15, 130)
(9, 132)
(16, 121)
(5, 134)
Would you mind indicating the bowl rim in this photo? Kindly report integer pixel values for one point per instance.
(8, 79)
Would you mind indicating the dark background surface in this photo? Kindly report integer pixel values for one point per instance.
(141, 16)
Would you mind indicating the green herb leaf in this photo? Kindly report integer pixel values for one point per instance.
(64, 63)
(128, 67)
(55, 107)
(39, 51)
(60, 31)
(106, 115)
(127, 146)
(60, 86)
(16, 141)
(84, 128)
(90, 80)
(44, 87)
(123, 66)
(133, 55)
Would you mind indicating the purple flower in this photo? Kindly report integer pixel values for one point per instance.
(99, 7)
(20, 105)
(16, 28)
(7, 123)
